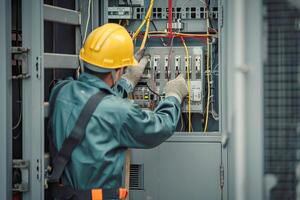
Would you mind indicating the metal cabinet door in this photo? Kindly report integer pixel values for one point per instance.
(179, 170)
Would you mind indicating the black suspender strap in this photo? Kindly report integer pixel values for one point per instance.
(62, 158)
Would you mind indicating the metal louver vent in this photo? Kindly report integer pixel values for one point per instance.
(136, 177)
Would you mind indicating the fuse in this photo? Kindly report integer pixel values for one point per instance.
(177, 63)
(186, 67)
(167, 71)
(156, 69)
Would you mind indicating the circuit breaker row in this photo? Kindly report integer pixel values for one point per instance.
(188, 16)
(166, 64)
(197, 12)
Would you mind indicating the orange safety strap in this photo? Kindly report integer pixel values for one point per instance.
(97, 194)
(123, 192)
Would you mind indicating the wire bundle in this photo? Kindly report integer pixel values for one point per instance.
(171, 35)
(147, 21)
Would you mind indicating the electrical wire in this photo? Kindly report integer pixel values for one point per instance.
(147, 26)
(146, 34)
(214, 73)
(155, 27)
(88, 21)
(148, 15)
(18, 123)
(169, 57)
(207, 78)
(153, 91)
(177, 34)
(181, 122)
(189, 83)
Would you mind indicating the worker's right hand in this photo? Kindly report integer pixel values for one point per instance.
(177, 88)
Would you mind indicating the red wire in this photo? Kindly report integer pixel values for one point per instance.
(179, 36)
(170, 17)
(170, 29)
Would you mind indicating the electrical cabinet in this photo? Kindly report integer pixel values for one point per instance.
(184, 41)
(188, 44)
(183, 37)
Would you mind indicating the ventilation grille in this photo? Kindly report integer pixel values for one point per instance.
(136, 177)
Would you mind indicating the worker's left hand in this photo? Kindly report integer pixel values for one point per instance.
(135, 73)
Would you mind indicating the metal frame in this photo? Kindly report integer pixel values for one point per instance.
(5, 103)
(243, 58)
(33, 97)
(61, 15)
(34, 12)
(58, 61)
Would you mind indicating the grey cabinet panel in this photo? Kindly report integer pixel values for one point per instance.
(179, 170)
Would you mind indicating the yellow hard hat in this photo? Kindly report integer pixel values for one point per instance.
(110, 47)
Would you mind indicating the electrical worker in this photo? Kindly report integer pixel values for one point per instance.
(116, 123)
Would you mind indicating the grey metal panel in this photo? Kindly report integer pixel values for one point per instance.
(77, 32)
(5, 102)
(244, 65)
(33, 96)
(254, 103)
(180, 170)
(95, 14)
(190, 25)
(224, 97)
(61, 15)
(196, 137)
(60, 61)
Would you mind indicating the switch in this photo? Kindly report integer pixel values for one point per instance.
(198, 67)
(188, 72)
(167, 71)
(197, 63)
(155, 63)
(177, 63)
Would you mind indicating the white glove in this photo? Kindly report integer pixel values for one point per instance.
(177, 88)
(134, 74)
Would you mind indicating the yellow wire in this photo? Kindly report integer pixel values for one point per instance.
(189, 83)
(148, 15)
(208, 78)
(146, 34)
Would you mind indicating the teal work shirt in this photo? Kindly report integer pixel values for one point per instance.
(116, 124)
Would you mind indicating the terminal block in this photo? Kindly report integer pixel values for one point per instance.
(165, 66)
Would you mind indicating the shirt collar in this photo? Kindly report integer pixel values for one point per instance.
(95, 81)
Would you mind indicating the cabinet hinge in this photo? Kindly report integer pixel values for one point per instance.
(21, 53)
(222, 176)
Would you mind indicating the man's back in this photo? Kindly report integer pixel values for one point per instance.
(115, 125)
